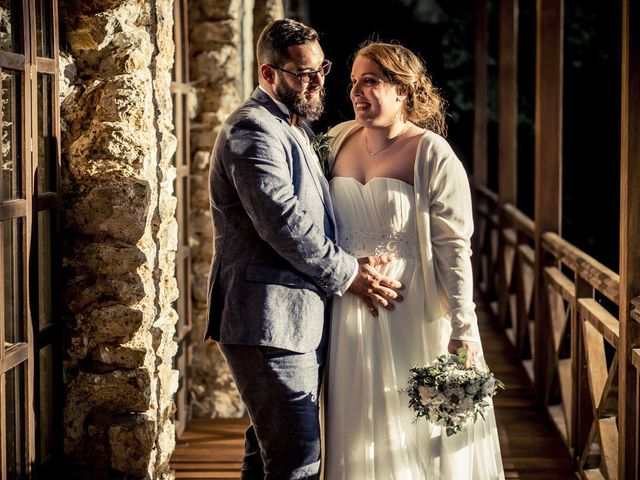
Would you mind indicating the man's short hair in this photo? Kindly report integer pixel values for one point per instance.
(278, 36)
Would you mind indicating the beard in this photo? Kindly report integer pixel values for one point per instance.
(298, 103)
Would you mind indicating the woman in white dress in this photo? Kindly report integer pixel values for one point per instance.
(397, 188)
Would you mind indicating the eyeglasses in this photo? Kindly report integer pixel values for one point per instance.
(306, 77)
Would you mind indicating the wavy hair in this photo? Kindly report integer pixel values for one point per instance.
(424, 106)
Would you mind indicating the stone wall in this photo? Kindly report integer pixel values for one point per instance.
(120, 237)
(220, 65)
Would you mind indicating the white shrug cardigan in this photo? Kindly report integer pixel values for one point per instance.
(444, 220)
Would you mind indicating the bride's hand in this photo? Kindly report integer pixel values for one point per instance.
(472, 348)
(372, 287)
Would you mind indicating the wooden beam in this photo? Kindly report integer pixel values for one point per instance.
(507, 138)
(508, 102)
(629, 239)
(548, 167)
(480, 164)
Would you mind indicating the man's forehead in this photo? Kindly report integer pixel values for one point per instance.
(306, 55)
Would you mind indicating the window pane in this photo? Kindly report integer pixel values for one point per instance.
(185, 298)
(46, 158)
(183, 205)
(184, 41)
(11, 136)
(45, 260)
(185, 130)
(12, 280)
(15, 401)
(10, 26)
(176, 132)
(47, 389)
(43, 28)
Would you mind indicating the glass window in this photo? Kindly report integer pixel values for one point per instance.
(12, 245)
(47, 387)
(45, 261)
(10, 26)
(46, 173)
(44, 28)
(15, 401)
(11, 135)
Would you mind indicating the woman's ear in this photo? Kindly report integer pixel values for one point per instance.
(401, 92)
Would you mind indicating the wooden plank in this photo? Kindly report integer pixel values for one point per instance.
(558, 317)
(487, 194)
(594, 313)
(548, 161)
(608, 432)
(509, 236)
(519, 220)
(598, 275)
(582, 420)
(596, 363)
(565, 378)
(629, 238)
(635, 358)
(530, 444)
(559, 282)
(527, 254)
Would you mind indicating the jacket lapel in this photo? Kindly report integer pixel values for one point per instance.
(305, 146)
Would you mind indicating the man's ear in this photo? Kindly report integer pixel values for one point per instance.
(267, 73)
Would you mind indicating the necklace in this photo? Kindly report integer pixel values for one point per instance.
(386, 145)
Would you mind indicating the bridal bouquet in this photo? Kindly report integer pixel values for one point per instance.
(448, 394)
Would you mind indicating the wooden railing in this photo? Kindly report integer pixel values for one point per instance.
(579, 329)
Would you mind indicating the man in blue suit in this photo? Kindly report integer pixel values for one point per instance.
(275, 264)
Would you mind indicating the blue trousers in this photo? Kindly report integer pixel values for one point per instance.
(280, 391)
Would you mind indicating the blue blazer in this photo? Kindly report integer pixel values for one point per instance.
(275, 263)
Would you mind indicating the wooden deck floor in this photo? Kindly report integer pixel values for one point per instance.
(531, 446)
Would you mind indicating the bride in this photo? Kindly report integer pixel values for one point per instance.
(399, 189)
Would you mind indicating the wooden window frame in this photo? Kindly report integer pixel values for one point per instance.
(26, 353)
(180, 89)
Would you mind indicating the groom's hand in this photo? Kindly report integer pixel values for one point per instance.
(374, 288)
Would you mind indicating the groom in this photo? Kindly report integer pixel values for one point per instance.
(275, 265)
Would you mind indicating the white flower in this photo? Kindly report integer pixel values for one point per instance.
(489, 386)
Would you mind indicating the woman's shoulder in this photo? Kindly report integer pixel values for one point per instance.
(436, 143)
(343, 128)
(339, 133)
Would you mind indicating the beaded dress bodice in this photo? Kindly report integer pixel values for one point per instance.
(376, 218)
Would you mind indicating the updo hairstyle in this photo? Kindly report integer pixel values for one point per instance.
(424, 105)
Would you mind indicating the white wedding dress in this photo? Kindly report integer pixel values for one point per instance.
(370, 431)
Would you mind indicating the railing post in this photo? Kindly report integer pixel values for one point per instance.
(581, 410)
(629, 240)
(480, 165)
(507, 140)
(548, 158)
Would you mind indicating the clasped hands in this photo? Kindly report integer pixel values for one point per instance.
(374, 288)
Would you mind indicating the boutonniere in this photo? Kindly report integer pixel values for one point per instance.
(321, 144)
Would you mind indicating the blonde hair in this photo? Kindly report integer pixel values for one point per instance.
(424, 106)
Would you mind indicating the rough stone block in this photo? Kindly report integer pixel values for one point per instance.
(120, 356)
(120, 391)
(110, 209)
(218, 65)
(221, 9)
(204, 34)
(199, 191)
(132, 445)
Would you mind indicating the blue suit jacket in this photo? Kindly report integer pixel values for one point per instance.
(274, 262)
